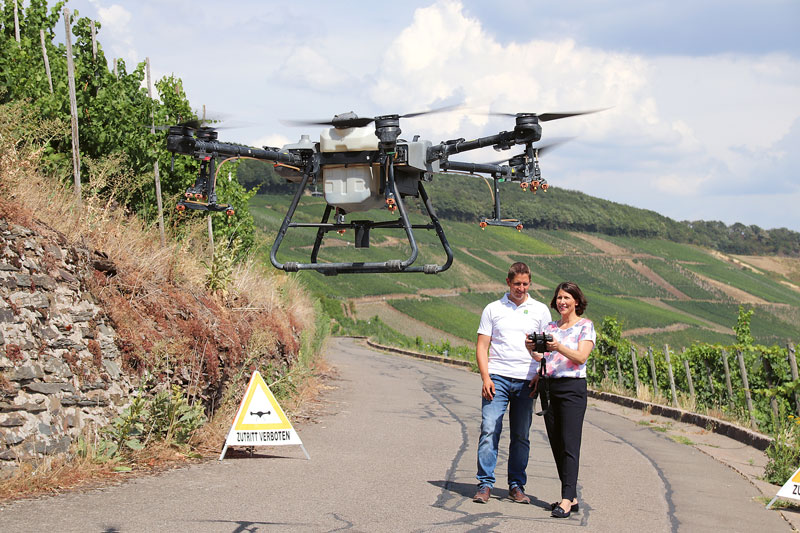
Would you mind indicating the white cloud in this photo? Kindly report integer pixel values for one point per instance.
(115, 21)
(273, 140)
(306, 66)
(679, 126)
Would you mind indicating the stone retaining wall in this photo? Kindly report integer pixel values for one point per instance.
(60, 369)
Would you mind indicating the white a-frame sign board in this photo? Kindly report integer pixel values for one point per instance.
(790, 489)
(260, 421)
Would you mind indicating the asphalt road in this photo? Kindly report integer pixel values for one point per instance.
(395, 450)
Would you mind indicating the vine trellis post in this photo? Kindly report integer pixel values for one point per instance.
(16, 22)
(73, 108)
(793, 367)
(727, 378)
(208, 217)
(620, 381)
(635, 370)
(671, 377)
(746, 384)
(688, 376)
(768, 379)
(708, 376)
(94, 41)
(653, 371)
(46, 61)
(156, 175)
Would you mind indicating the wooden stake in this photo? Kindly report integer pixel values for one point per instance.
(768, 379)
(619, 371)
(671, 377)
(210, 224)
(793, 367)
(727, 378)
(708, 375)
(747, 398)
(16, 22)
(210, 236)
(635, 370)
(156, 174)
(46, 61)
(73, 108)
(94, 41)
(689, 378)
(653, 370)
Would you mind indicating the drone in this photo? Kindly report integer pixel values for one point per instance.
(363, 165)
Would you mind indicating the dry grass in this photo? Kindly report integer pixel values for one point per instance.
(52, 475)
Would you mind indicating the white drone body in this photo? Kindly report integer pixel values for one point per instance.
(356, 186)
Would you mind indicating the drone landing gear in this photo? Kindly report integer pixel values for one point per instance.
(183, 205)
(507, 223)
(362, 230)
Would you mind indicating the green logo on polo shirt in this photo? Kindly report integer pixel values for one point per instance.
(525, 312)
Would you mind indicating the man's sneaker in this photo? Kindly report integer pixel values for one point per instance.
(516, 495)
(482, 496)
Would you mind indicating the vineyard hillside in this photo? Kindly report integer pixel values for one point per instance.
(660, 290)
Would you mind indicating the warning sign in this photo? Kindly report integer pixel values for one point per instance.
(260, 421)
(790, 489)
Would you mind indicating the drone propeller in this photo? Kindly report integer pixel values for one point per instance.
(544, 117)
(193, 124)
(351, 120)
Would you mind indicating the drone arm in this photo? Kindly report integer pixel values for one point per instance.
(188, 145)
(502, 141)
(472, 168)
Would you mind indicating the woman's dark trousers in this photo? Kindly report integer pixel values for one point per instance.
(564, 423)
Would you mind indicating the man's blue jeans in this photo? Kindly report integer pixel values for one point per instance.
(514, 395)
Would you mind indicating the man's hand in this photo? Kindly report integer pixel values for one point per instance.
(488, 389)
(534, 384)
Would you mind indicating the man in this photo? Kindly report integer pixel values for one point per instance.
(506, 368)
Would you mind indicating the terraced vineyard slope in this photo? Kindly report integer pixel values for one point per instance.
(661, 291)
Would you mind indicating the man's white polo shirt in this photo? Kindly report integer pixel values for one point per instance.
(508, 325)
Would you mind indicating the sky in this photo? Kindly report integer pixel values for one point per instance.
(702, 98)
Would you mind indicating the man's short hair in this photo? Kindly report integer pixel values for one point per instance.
(518, 268)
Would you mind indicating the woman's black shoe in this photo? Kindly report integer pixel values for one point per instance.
(573, 508)
(558, 512)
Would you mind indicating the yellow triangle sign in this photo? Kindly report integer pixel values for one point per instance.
(260, 421)
(259, 409)
(790, 490)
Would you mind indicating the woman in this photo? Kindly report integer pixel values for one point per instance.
(573, 340)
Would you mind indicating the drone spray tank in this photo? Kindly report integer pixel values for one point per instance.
(351, 175)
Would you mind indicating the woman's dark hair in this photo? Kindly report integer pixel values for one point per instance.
(575, 291)
(517, 269)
